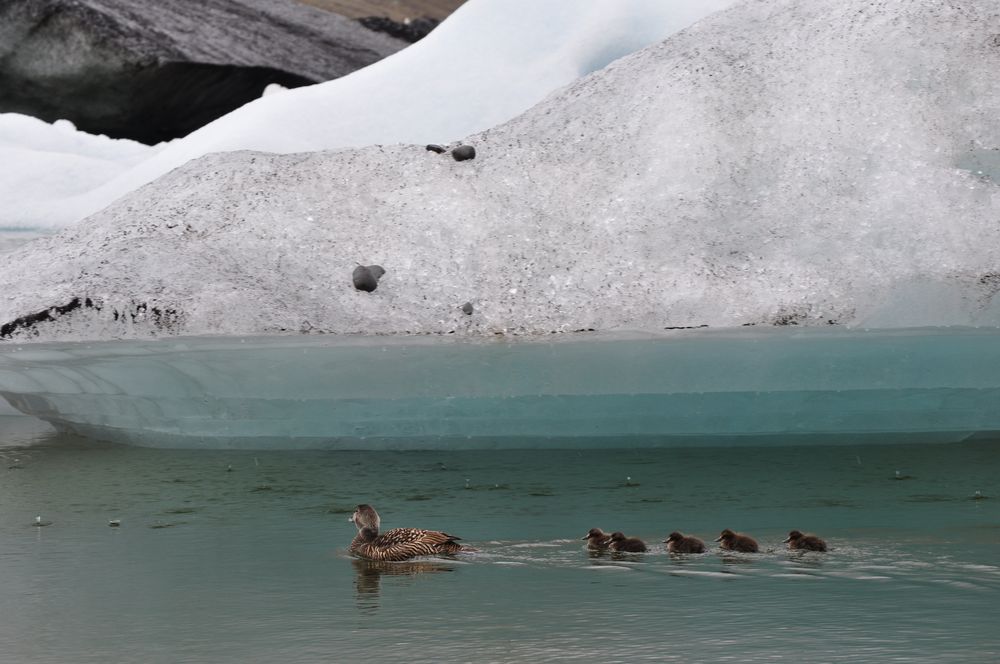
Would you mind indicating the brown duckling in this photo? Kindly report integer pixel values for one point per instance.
(731, 541)
(627, 544)
(799, 542)
(679, 543)
(597, 539)
(398, 543)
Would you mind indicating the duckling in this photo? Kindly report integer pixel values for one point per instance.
(731, 541)
(398, 543)
(628, 544)
(800, 542)
(597, 539)
(678, 543)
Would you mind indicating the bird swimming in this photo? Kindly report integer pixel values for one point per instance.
(680, 543)
(731, 541)
(799, 542)
(398, 543)
(597, 539)
(627, 544)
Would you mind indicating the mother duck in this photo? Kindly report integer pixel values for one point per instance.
(398, 543)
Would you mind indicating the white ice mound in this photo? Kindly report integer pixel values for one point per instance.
(779, 162)
(43, 165)
(487, 62)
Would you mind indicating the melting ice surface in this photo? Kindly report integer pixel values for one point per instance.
(748, 386)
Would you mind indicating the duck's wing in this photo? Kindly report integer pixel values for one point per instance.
(413, 535)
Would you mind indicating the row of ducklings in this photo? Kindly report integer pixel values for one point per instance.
(405, 543)
(676, 542)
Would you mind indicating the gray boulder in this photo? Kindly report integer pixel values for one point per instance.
(152, 71)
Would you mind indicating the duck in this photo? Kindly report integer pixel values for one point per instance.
(799, 542)
(399, 543)
(597, 539)
(627, 544)
(731, 541)
(679, 543)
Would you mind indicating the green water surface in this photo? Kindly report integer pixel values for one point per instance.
(241, 556)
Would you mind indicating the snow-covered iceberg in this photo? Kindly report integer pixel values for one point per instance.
(788, 164)
(773, 386)
(777, 163)
(487, 62)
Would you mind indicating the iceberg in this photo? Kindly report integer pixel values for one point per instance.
(487, 62)
(700, 387)
(699, 181)
(784, 174)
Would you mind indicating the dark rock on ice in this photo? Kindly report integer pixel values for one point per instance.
(433, 147)
(467, 309)
(463, 152)
(366, 277)
(153, 71)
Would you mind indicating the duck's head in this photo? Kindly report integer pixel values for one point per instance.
(673, 537)
(365, 516)
(725, 535)
(617, 536)
(794, 535)
(595, 533)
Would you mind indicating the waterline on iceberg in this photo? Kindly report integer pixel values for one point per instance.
(690, 387)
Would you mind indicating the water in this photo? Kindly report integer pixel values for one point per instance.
(249, 564)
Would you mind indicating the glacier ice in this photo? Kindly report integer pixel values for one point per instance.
(487, 62)
(819, 167)
(805, 173)
(767, 386)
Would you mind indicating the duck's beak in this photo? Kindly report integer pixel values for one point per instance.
(786, 541)
(351, 518)
(718, 539)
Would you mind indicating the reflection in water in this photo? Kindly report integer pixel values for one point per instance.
(369, 573)
(685, 558)
(806, 559)
(731, 558)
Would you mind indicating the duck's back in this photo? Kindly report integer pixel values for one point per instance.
(687, 545)
(745, 544)
(406, 543)
(811, 543)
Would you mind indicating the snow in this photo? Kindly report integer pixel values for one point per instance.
(707, 180)
(489, 61)
(42, 166)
